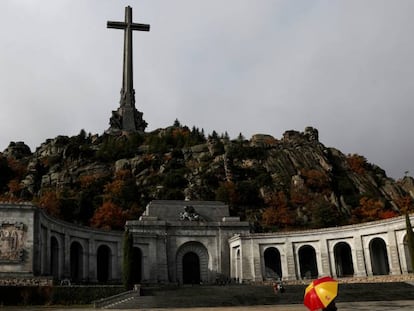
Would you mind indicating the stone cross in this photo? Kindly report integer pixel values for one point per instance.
(127, 114)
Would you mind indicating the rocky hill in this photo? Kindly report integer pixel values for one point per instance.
(277, 184)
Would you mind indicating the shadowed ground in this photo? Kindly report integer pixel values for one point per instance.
(249, 295)
(353, 296)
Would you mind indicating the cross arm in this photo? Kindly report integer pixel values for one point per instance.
(141, 27)
(117, 25)
(123, 25)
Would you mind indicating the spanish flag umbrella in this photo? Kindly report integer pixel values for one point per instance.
(320, 293)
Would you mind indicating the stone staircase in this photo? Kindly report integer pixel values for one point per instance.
(114, 301)
(245, 295)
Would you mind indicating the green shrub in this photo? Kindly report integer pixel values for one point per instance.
(81, 295)
(25, 295)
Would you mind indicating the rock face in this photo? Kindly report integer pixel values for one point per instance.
(17, 150)
(176, 163)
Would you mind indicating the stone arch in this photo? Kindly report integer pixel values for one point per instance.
(272, 263)
(54, 258)
(307, 262)
(76, 262)
(407, 254)
(379, 257)
(137, 267)
(343, 260)
(194, 254)
(103, 263)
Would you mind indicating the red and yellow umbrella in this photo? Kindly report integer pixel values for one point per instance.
(320, 293)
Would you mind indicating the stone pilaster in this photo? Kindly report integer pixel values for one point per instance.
(66, 256)
(92, 261)
(290, 263)
(358, 257)
(394, 260)
(324, 258)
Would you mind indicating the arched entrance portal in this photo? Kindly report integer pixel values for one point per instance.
(343, 260)
(273, 266)
(136, 265)
(54, 258)
(192, 263)
(191, 268)
(307, 262)
(379, 257)
(76, 262)
(103, 263)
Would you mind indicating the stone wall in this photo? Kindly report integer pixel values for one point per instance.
(371, 249)
(19, 281)
(34, 244)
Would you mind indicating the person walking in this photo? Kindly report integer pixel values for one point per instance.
(330, 307)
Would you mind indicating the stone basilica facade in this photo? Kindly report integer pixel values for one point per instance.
(193, 242)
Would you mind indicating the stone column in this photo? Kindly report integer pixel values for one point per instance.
(46, 257)
(246, 261)
(150, 261)
(288, 264)
(91, 260)
(162, 262)
(61, 257)
(358, 257)
(394, 260)
(117, 262)
(323, 258)
(66, 256)
(257, 259)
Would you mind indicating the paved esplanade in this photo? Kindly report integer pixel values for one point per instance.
(402, 305)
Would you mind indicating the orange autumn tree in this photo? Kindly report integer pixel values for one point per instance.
(108, 216)
(19, 168)
(50, 203)
(405, 204)
(12, 172)
(14, 189)
(370, 209)
(357, 163)
(113, 213)
(122, 190)
(277, 213)
(316, 180)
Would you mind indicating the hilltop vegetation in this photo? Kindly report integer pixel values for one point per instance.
(276, 184)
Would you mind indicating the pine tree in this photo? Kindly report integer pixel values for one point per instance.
(410, 239)
(127, 260)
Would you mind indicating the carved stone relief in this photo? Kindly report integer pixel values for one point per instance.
(189, 214)
(12, 242)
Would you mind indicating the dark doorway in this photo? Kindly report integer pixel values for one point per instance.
(191, 268)
(54, 258)
(76, 262)
(136, 265)
(307, 262)
(343, 260)
(103, 263)
(379, 257)
(272, 262)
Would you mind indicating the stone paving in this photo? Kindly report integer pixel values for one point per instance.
(402, 305)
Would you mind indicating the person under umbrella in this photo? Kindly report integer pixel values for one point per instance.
(320, 294)
(330, 307)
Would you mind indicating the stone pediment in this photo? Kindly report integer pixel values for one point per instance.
(175, 210)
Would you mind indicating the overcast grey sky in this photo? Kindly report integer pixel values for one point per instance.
(345, 67)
